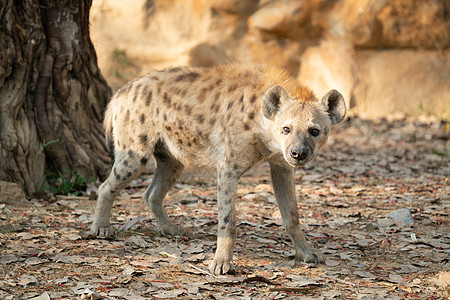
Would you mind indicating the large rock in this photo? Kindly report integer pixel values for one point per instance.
(402, 81)
(394, 23)
(388, 56)
(235, 6)
(205, 55)
(329, 66)
(283, 53)
(377, 83)
(292, 19)
(132, 39)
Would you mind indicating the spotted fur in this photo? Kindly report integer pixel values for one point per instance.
(223, 119)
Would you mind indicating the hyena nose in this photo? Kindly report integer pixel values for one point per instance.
(299, 154)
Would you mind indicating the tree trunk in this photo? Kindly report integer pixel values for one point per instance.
(52, 94)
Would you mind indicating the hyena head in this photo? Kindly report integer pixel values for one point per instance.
(301, 127)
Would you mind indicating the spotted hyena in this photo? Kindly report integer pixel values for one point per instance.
(223, 119)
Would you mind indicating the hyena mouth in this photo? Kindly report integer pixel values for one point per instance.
(296, 164)
(299, 164)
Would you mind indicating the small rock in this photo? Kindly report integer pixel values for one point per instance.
(88, 294)
(385, 222)
(402, 217)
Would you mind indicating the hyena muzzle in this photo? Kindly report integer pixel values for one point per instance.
(223, 119)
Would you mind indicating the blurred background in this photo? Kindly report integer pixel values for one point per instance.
(385, 56)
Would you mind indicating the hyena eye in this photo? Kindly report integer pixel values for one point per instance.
(286, 130)
(314, 132)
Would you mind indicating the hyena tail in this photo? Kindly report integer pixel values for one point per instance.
(108, 126)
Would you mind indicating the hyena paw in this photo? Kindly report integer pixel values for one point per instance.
(311, 256)
(102, 231)
(172, 230)
(221, 266)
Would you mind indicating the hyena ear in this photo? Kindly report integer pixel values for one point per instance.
(334, 104)
(272, 100)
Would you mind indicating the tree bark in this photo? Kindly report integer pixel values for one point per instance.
(52, 94)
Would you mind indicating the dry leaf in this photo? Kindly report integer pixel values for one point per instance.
(344, 197)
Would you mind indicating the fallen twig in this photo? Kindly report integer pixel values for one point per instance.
(203, 271)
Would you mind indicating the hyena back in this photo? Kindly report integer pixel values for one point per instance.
(223, 119)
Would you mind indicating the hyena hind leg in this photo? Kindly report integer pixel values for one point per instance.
(167, 171)
(127, 166)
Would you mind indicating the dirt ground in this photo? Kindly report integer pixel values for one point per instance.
(366, 171)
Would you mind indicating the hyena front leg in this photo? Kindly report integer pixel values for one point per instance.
(127, 166)
(284, 188)
(167, 171)
(226, 216)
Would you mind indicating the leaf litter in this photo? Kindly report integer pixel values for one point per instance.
(375, 201)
